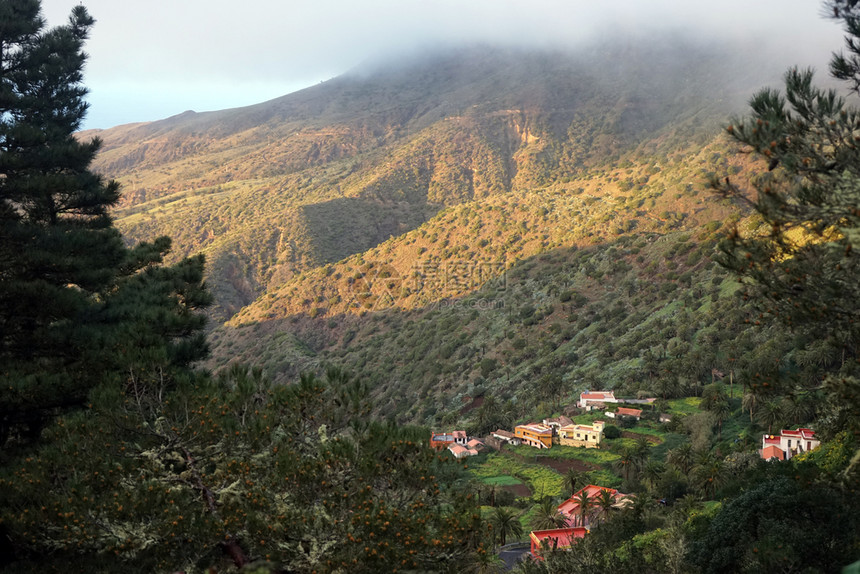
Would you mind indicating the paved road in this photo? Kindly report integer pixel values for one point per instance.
(510, 556)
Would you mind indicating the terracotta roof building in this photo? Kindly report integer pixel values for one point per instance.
(788, 443)
(441, 440)
(570, 507)
(635, 413)
(558, 538)
(589, 399)
(507, 436)
(460, 451)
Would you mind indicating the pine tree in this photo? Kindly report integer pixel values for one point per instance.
(75, 304)
(800, 266)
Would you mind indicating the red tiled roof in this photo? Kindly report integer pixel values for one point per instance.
(631, 412)
(504, 433)
(772, 451)
(558, 537)
(799, 433)
(597, 395)
(570, 506)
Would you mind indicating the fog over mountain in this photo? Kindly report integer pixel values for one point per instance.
(156, 59)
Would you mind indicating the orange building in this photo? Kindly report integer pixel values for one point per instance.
(536, 435)
(558, 538)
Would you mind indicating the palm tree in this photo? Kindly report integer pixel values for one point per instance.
(797, 408)
(483, 562)
(721, 410)
(681, 457)
(710, 476)
(505, 524)
(605, 501)
(770, 414)
(672, 483)
(547, 516)
(651, 473)
(749, 403)
(625, 462)
(574, 479)
(585, 504)
(641, 453)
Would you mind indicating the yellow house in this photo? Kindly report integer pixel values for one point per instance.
(536, 435)
(588, 436)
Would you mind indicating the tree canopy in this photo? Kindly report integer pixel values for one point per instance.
(76, 305)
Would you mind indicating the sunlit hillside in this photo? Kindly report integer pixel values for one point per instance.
(385, 193)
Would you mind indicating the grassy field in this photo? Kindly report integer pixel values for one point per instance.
(685, 406)
(541, 480)
(503, 480)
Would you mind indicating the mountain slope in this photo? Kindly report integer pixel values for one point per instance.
(274, 189)
(430, 224)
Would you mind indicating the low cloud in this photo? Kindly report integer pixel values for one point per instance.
(259, 49)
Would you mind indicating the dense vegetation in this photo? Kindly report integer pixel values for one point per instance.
(466, 243)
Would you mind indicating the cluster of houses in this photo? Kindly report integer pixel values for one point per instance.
(559, 430)
(456, 442)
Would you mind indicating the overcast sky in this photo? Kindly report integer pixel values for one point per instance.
(156, 58)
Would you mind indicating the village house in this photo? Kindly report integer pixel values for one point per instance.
(570, 507)
(557, 423)
(507, 436)
(625, 412)
(534, 434)
(558, 538)
(442, 440)
(588, 436)
(590, 400)
(475, 444)
(460, 451)
(787, 444)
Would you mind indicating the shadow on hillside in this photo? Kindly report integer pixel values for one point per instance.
(350, 225)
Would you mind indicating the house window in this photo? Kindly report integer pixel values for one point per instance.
(808, 445)
(789, 443)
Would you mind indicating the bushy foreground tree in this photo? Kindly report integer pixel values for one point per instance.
(800, 266)
(235, 472)
(781, 525)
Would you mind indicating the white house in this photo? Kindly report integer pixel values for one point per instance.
(593, 399)
(788, 443)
